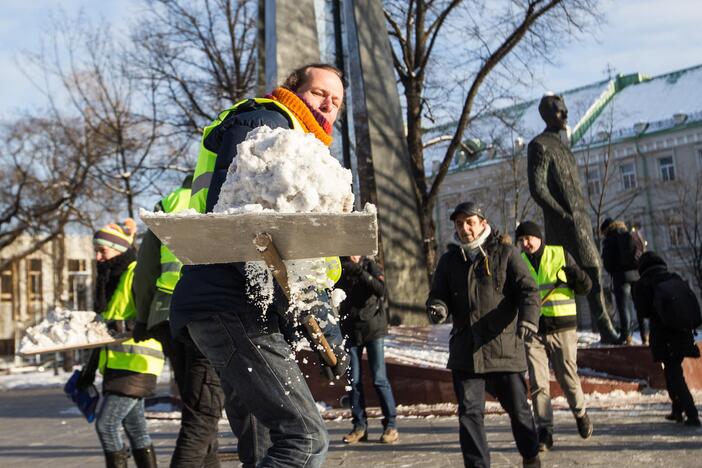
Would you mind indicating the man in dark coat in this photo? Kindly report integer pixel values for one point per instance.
(555, 186)
(486, 287)
(667, 345)
(619, 256)
(365, 324)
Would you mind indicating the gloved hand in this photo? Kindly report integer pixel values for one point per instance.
(86, 379)
(437, 313)
(140, 333)
(524, 332)
(572, 274)
(343, 361)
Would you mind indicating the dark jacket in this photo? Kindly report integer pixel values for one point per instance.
(665, 343)
(487, 299)
(618, 254)
(207, 289)
(580, 283)
(363, 317)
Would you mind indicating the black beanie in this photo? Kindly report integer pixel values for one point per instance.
(528, 228)
(650, 259)
(605, 224)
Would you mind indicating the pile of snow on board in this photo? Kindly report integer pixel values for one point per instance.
(63, 327)
(286, 171)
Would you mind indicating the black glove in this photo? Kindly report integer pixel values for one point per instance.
(437, 313)
(524, 333)
(140, 333)
(87, 374)
(572, 275)
(343, 361)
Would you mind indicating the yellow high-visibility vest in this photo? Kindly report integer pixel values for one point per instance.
(170, 265)
(561, 303)
(145, 357)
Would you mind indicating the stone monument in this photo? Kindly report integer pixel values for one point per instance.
(554, 184)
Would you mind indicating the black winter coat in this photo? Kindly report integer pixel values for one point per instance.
(618, 248)
(487, 299)
(665, 343)
(363, 317)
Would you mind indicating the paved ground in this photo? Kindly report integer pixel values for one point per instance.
(40, 428)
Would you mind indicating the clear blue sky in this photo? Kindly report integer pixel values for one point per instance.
(648, 36)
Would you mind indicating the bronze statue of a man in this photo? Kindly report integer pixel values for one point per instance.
(554, 184)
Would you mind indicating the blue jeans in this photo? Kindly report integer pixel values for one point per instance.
(625, 305)
(116, 411)
(376, 361)
(260, 376)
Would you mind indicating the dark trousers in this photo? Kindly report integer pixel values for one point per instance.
(202, 398)
(259, 375)
(677, 388)
(510, 390)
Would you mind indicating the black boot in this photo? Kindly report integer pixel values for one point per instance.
(116, 459)
(145, 457)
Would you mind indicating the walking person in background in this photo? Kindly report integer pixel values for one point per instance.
(129, 369)
(670, 342)
(620, 256)
(559, 279)
(365, 324)
(482, 282)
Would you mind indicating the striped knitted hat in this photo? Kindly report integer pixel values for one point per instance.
(115, 236)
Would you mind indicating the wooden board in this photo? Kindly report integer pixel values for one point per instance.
(226, 238)
(72, 346)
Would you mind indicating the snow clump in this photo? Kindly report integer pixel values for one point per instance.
(64, 327)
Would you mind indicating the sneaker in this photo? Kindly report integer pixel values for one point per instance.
(390, 436)
(534, 462)
(545, 441)
(677, 417)
(357, 435)
(694, 422)
(584, 426)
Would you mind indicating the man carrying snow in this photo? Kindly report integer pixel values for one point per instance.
(238, 333)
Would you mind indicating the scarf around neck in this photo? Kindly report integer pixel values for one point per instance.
(474, 247)
(312, 121)
(107, 280)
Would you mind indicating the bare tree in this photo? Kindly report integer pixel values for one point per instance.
(86, 80)
(497, 40)
(44, 168)
(201, 53)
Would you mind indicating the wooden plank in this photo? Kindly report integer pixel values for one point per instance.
(72, 346)
(224, 238)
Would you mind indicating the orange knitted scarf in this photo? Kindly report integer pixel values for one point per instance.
(303, 113)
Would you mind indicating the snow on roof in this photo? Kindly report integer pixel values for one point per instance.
(654, 102)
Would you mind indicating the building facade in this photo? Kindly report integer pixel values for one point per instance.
(59, 274)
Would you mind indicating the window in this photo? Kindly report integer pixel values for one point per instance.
(78, 284)
(593, 180)
(699, 158)
(667, 168)
(6, 285)
(628, 176)
(676, 235)
(35, 297)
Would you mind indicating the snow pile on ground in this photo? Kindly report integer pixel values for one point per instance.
(64, 327)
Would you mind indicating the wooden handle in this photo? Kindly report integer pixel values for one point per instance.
(265, 246)
(310, 323)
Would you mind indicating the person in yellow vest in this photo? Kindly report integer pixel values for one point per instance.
(559, 279)
(129, 369)
(237, 331)
(156, 274)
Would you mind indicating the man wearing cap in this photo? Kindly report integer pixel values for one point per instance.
(486, 287)
(559, 278)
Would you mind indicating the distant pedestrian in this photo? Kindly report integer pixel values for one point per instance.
(620, 255)
(482, 282)
(559, 279)
(670, 343)
(364, 322)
